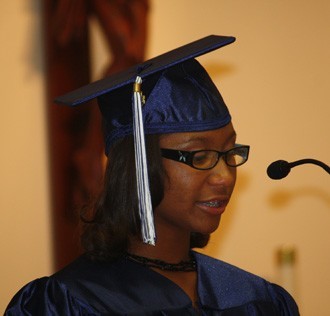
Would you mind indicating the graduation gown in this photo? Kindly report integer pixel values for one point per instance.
(124, 287)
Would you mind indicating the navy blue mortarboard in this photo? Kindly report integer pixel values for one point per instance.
(179, 97)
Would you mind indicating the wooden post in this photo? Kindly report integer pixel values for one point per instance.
(75, 140)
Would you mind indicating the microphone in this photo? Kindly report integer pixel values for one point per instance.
(280, 169)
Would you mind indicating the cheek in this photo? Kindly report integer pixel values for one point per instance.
(177, 182)
(179, 186)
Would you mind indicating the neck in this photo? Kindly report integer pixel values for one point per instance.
(171, 248)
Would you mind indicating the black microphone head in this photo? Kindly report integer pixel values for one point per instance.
(278, 169)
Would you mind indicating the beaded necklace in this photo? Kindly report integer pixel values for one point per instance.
(182, 266)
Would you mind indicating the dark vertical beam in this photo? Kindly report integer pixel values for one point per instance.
(75, 140)
(67, 68)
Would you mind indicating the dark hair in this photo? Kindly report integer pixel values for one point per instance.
(115, 217)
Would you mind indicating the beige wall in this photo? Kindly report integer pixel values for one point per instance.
(24, 221)
(275, 79)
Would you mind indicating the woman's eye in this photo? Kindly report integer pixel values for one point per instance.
(201, 158)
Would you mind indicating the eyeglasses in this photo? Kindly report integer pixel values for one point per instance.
(208, 159)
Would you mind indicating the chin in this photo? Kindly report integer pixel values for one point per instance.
(198, 240)
(208, 227)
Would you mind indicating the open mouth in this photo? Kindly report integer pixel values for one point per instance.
(212, 203)
(214, 206)
(215, 203)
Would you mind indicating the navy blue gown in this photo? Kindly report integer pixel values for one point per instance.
(124, 287)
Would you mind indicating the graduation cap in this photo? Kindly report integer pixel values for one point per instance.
(170, 93)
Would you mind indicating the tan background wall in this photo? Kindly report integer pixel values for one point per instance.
(24, 222)
(275, 79)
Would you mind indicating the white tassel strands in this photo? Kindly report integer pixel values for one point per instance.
(143, 189)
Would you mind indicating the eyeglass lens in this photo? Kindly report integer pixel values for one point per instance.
(208, 158)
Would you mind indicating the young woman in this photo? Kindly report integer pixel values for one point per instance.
(191, 158)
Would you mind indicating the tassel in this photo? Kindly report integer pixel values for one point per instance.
(143, 189)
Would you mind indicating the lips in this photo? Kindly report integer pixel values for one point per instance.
(213, 206)
(212, 203)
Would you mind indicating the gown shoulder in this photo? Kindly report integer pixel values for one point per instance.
(47, 296)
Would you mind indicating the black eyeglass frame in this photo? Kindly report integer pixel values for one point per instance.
(187, 157)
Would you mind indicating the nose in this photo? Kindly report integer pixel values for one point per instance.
(222, 174)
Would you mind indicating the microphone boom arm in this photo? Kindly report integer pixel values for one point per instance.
(311, 161)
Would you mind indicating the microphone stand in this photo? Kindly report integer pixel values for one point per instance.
(311, 161)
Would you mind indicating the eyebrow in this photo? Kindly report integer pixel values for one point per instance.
(199, 138)
(192, 139)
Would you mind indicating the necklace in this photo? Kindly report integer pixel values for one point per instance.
(183, 266)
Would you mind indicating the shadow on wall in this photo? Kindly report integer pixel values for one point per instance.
(33, 56)
(282, 197)
(219, 69)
